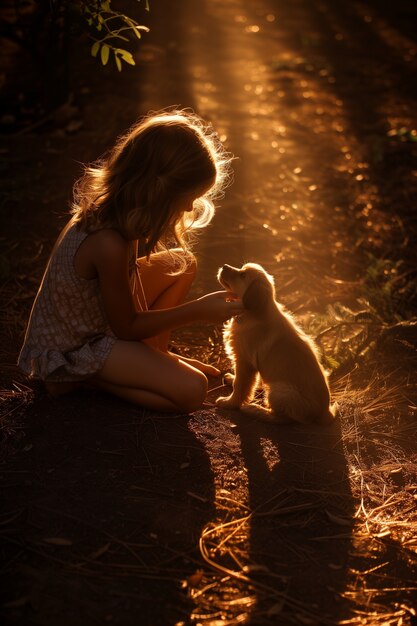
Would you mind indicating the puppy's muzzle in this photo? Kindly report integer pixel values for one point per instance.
(225, 275)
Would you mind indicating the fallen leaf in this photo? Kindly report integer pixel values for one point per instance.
(58, 541)
(100, 551)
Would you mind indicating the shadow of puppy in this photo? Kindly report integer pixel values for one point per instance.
(265, 342)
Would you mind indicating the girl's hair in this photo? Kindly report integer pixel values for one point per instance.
(134, 186)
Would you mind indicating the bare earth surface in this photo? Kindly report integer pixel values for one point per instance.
(113, 515)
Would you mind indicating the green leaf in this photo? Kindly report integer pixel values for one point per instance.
(138, 28)
(105, 51)
(118, 62)
(136, 31)
(135, 26)
(95, 48)
(126, 56)
(132, 25)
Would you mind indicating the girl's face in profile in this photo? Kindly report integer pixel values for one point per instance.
(184, 203)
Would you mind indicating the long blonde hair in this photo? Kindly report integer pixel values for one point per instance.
(133, 187)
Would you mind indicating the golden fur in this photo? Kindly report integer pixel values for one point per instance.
(265, 342)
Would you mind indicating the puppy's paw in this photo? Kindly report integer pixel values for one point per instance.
(228, 378)
(227, 402)
(259, 412)
(256, 411)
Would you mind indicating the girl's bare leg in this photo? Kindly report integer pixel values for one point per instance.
(152, 379)
(163, 291)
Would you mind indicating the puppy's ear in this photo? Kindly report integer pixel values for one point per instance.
(257, 295)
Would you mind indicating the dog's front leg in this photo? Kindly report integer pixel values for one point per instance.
(243, 385)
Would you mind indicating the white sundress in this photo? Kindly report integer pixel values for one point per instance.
(68, 337)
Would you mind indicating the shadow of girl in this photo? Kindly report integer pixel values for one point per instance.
(112, 501)
(302, 516)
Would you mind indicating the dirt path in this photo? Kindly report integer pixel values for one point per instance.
(113, 515)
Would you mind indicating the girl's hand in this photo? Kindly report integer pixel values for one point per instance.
(219, 306)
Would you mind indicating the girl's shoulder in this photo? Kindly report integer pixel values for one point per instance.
(108, 238)
(107, 243)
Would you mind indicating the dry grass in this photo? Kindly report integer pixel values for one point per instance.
(229, 587)
(379, 431)
(383, 465)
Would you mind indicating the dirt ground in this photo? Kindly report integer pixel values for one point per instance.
(112, 514)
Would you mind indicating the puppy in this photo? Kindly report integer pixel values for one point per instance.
(265, 341)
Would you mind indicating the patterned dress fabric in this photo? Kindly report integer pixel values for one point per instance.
(68, 337)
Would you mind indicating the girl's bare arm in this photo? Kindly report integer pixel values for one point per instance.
(110, 256)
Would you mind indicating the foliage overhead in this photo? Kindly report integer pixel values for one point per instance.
(42, 26)
(110, 29)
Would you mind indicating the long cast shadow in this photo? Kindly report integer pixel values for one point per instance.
(302, 507)
(104, 505)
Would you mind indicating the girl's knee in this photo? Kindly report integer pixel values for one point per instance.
(176, 265)
(193, 393)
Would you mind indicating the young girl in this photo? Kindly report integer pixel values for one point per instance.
(102, 315)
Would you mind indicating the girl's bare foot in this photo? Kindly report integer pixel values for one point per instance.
(209, 370)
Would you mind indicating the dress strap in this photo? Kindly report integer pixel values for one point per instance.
(136, 281)
(138, 290)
